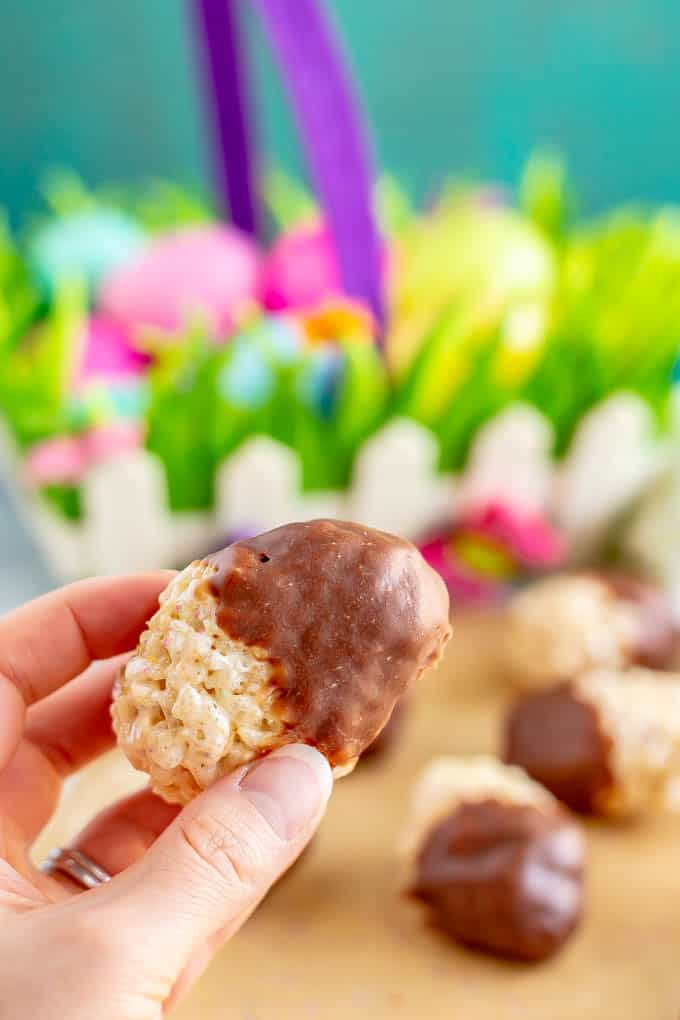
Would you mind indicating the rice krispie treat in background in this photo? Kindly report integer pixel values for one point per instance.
(563, 625)
(495, 858)
(607, 743)
(308, 633)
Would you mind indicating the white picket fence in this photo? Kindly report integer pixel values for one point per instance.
(396, 486)
(652, 539)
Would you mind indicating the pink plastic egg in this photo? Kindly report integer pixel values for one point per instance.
(206, 271)
(301, 270)
(108, 353)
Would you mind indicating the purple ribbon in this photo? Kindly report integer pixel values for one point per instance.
(226, 83)
(328, 114)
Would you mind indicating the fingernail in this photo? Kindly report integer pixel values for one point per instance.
(290, 788)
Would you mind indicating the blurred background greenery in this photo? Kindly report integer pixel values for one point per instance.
(451, 87)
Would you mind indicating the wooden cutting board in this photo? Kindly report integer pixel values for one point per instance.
(336, 939)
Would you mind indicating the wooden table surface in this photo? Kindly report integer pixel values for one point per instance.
(335, 938)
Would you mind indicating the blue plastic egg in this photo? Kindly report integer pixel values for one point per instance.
(320, 382)
(87, 244)
(246, 380)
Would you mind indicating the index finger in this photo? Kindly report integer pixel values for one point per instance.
(49, 641)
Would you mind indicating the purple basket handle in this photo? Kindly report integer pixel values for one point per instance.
(227, 86)
(318, 80)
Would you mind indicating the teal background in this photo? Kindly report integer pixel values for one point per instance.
(451, 86)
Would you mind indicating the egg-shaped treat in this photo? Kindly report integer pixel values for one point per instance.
(309, 633)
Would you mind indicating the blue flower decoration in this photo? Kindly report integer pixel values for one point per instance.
(246, 380)
(87, 244)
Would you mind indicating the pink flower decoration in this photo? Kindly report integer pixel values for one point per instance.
(210, 271)
(108, 352)
(527, 537)
(64, 460)
(485, 551)
(462, 583)
(106, 441)
(59, 461)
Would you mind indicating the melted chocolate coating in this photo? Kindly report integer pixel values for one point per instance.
(558, 739)
(389, 734)
(657, 640)
(507, 878)
(347, 616)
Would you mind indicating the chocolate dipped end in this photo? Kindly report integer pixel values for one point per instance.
(389, 734)
(558, 739)
(503, 877)
(657, 640)
(347, 616)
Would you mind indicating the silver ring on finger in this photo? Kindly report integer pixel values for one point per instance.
(77, 866)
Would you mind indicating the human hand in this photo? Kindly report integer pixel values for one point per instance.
(183, 881)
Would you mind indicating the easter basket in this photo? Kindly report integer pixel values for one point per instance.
(483, 378)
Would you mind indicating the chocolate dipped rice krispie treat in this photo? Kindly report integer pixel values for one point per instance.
(563, 625)
(605, 743)
(494, 857)
(309, 633)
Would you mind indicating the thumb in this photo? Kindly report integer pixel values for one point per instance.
(221, 854)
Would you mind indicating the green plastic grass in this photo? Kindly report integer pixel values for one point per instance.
(606, 305)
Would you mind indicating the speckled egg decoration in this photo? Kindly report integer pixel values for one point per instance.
(88, 244)
(208, 271)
